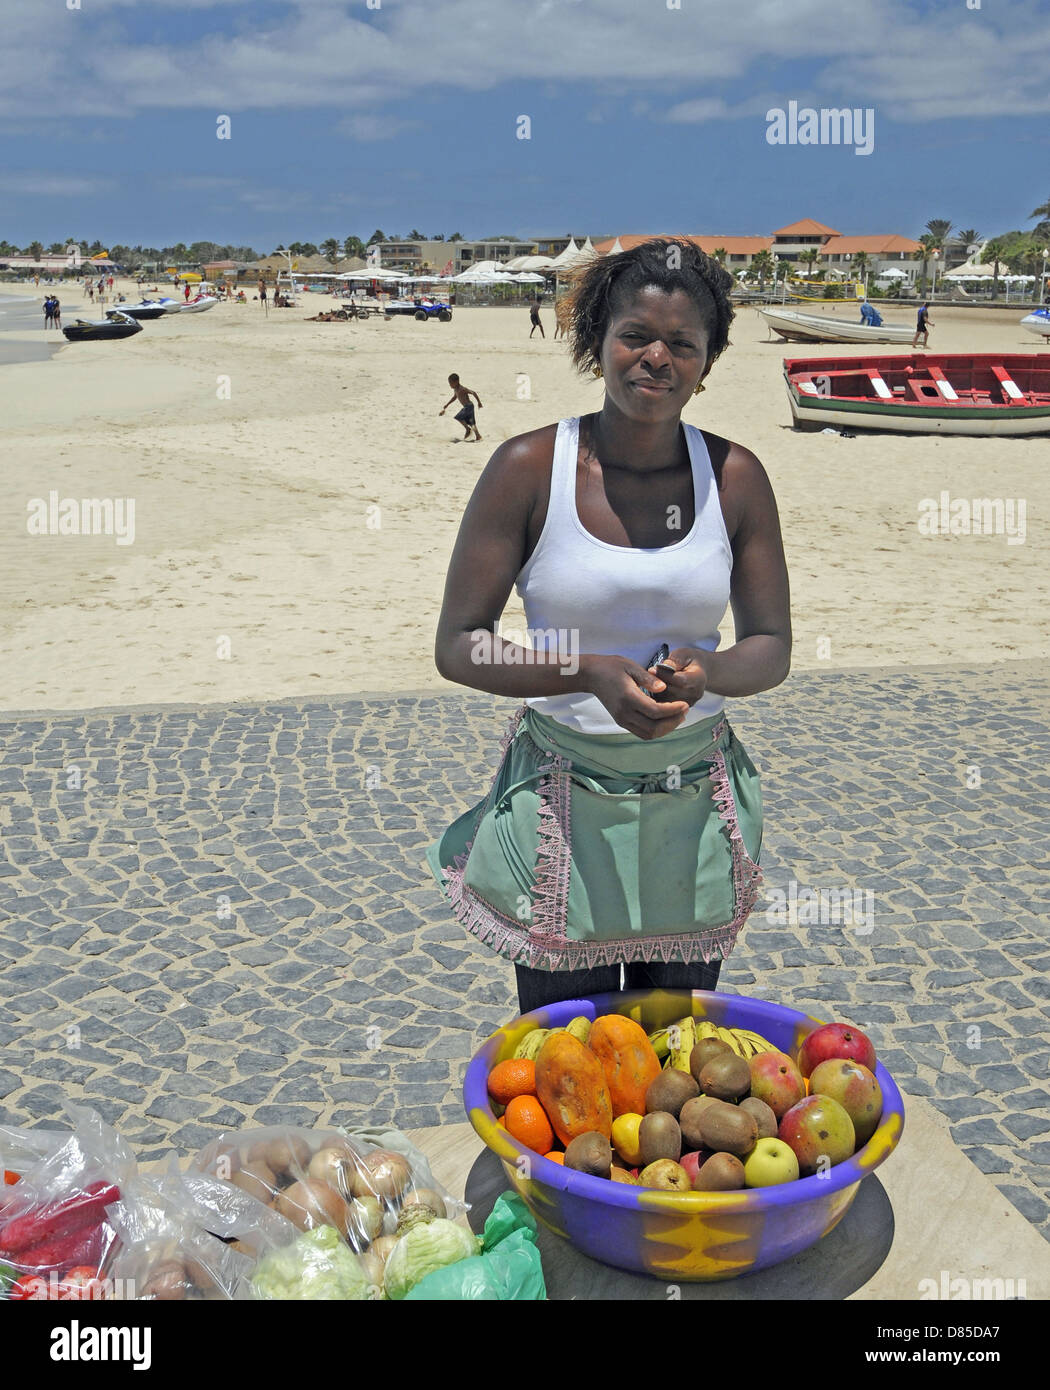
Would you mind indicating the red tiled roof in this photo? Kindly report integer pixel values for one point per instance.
(733, 245)
(873, 245)
(807, 227)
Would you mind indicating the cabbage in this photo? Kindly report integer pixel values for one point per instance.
(424, 1248)
(317, 1265)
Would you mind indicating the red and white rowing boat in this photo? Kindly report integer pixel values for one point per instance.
(925, 393)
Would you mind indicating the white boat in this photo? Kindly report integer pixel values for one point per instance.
(1038, 321)
(198, 305)
(795, 326)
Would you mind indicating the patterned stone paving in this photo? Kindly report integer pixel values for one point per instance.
(221, 916)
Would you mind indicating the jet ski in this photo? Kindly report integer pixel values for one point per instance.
(1038, 321)
(199, 304)
(115, 325)
(151, 308)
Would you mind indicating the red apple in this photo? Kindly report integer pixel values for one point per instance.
(855, 1089)
(691, 1163)
(818, 1128)
(776, 1080)
(835, 1040)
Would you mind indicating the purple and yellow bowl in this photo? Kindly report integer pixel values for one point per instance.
(677, 1236)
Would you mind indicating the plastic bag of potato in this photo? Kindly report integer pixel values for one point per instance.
(367, 1192)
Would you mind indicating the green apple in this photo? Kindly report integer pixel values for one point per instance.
(770, 1162)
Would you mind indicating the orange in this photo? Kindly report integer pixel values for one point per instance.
(516, 1077)
(555, 1156)
(527, 1121)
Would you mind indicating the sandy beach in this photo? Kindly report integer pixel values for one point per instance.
(297, 498)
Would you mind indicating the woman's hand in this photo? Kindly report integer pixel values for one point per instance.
(690, 680)
(621, 685)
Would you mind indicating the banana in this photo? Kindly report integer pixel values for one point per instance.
(580, 1028)
(531, 1043)
(706, 1029)
(730, 1039)
(757, 1041)
(682, 1039)
(661, 1046)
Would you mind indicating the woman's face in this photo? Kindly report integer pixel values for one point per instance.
(654, 353)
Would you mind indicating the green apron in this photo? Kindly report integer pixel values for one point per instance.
(596, 849)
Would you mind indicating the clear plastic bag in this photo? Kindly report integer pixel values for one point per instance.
(55, 1237)
(326, 1177)
(165, 1254)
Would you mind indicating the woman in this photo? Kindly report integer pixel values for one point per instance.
(624, 824)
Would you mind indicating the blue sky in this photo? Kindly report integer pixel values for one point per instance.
(644, 117)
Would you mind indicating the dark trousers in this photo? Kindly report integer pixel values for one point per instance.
(537, 988)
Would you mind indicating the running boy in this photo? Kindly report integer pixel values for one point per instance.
(466, 415)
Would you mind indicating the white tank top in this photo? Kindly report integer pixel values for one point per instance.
(622, 600)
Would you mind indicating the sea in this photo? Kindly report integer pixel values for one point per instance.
(21, 316)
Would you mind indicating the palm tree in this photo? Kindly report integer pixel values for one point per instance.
(939, 228)
(762, 266)
(354, 246)
(36, 249)
(929, 244)
(966, 238)
(1043, 211)
(808, 257)
(330, 249)
(996, 252)
(719, 255)
(861, 268)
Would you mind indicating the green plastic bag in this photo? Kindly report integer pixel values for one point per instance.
(508, 1268)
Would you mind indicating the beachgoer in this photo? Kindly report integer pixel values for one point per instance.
(186, 292)
(229, 290)
(91, 291)
(534, 316)
(624, 825)
(262, 293)
(56, 311)
(110, 283)
(48, 312)
(870, 315)
(465, 416)
(923, 324)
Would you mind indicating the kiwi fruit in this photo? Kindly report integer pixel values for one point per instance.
(723, 1172)
(589, 1153)
(702, 1053)
(659, 1137)
(670, 1091)
(725, 1078)
(768, 1125)
(728, 1129)
(689, 1120)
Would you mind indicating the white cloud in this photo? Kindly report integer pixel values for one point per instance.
(367, 128)
(910, 60)
(53, 185)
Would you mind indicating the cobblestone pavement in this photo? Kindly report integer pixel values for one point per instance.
(221, 916)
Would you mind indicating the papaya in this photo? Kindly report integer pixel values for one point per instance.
(571, 1087)
(628, 1060)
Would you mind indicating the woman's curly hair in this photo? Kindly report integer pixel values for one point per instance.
(669, 263)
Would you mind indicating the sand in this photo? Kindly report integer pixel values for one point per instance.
(292, 539)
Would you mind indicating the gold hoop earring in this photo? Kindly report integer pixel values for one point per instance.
(700, 387)
(596, 371)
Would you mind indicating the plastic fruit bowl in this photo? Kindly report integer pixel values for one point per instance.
(692, 1236)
